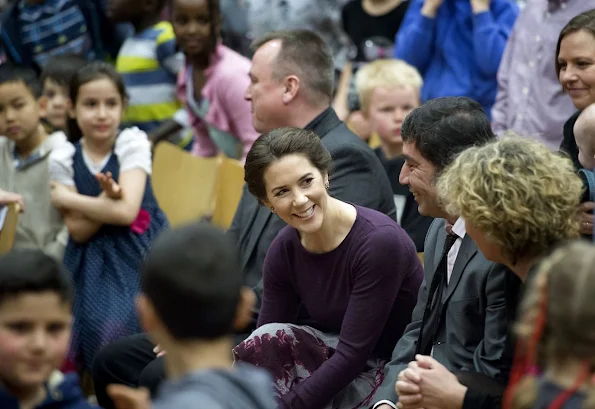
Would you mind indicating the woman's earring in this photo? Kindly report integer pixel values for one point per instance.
(327, 185)
(272, 209)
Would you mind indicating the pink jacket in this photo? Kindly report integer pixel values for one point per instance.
(223, 117)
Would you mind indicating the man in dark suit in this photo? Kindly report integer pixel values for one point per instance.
(292, 78)
(297, 67)
(461, 317)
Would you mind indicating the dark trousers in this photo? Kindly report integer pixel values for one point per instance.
(130, 361)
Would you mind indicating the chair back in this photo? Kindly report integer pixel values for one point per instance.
(228, 191)
(9, 227)
(183, 184)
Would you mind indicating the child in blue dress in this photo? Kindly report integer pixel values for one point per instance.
(102, 186)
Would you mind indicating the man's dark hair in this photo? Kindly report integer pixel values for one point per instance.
(193, 279)
(10, 72)
(24, 271)
(61, 69)
(306, 55)
(444, 127)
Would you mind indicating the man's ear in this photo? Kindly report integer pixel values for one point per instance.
(244, 311)
(146, 312)
(292, 86)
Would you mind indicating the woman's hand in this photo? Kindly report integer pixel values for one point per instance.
(109, 185)
(586, 218)
(7, 198)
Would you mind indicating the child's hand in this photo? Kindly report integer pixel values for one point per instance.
(7, 198)
(158, 351)
(125, 397)
(109, 185)
(59, 195)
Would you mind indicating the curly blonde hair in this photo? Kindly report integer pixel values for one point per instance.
(520, 195)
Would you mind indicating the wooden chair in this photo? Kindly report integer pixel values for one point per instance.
(228, 192)
(9, 228)
(184, 184)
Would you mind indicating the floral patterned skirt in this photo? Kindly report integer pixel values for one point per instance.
(291, 353)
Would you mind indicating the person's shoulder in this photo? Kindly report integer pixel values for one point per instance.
(377, 226)
(186, 398)
(340, 138)
(164, 32)
(287, 237)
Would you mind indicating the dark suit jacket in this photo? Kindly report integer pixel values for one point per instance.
(356, 176)
(473, 334)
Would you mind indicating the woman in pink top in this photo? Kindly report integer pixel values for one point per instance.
(213, 82)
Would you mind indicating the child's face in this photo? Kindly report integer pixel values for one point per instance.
(57, 103)
(191, 22)
(98, 109)
(388, 108)
(19, 112)
(34, 336)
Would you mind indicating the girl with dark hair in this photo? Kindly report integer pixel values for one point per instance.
(213, 82)
(353, 269)
(101, 185)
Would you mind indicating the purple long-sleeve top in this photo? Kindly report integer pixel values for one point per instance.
(364, 290)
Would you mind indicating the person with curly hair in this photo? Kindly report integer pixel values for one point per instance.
(518, 200)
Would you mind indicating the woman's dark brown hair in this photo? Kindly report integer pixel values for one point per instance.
(276, 144)
(584, 21)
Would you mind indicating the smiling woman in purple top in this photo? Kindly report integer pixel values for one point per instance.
(353, 269)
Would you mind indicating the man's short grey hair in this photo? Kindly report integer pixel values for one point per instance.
(305, 54)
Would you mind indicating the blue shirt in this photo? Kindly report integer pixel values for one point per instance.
(457, 52)
(54, 27)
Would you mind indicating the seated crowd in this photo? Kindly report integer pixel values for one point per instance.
(415, 256)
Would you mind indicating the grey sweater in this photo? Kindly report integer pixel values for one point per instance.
(244, 387)
(41, 225)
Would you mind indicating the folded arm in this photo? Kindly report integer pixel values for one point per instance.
(104, 210)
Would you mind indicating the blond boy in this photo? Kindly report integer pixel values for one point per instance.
(388, 90)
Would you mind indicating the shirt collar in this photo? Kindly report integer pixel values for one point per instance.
(458, 228)
(39, 153)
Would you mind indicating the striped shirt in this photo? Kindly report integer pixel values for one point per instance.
(149, 64)
(54, 27)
